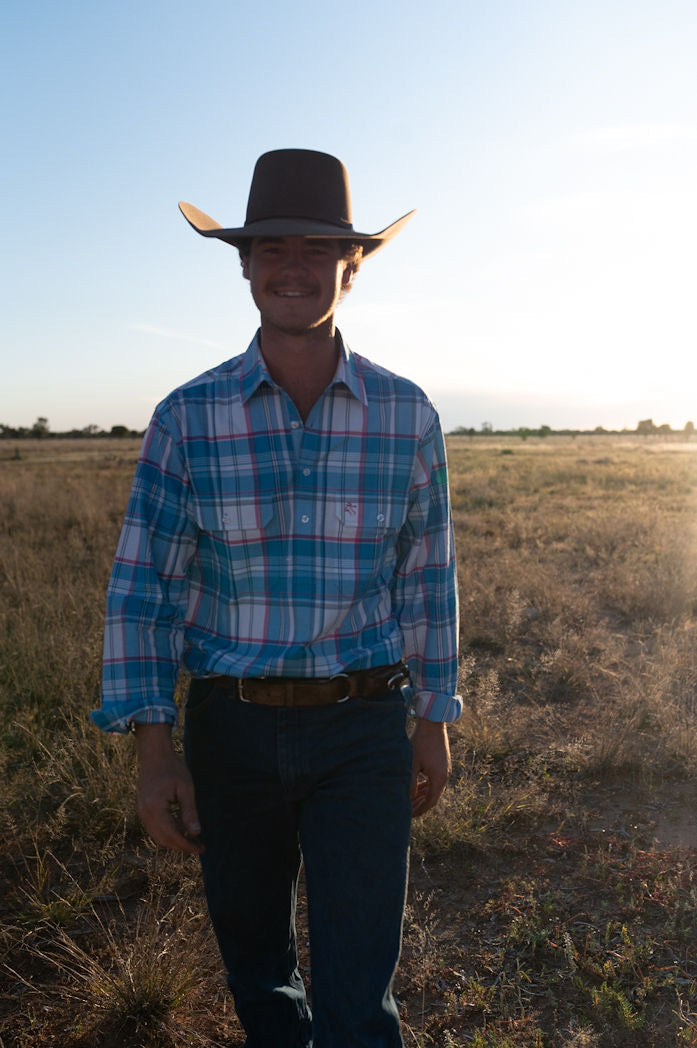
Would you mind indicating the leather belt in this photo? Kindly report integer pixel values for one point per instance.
(315, 691)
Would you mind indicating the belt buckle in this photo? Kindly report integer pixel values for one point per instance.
(398, 678)
(336, 676)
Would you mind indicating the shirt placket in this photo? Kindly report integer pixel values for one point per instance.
(302, 474)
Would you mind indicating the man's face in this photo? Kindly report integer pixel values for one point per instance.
(296, 282)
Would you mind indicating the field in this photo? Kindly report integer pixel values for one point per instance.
(553, 897)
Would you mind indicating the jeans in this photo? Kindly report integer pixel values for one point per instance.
(328, 786)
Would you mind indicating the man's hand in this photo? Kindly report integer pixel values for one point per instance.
(166, 802)
(432, 765)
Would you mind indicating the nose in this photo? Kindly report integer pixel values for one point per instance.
(294, 256)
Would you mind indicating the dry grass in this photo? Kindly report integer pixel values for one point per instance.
(554, 897)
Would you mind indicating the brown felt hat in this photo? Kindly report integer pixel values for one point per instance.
(296, 192)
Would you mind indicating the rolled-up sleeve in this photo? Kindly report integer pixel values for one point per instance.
(147, 593)
(425, 586)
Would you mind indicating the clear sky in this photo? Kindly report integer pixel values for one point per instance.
(549, 146)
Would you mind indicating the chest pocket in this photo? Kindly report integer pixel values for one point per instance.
(234, 542)
(355, 518)
(238, 521)
(361, 539)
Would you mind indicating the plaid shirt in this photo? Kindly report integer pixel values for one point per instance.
(255, 545)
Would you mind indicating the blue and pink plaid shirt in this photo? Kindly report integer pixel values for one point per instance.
(257, 545)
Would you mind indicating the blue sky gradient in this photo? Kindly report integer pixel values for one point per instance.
(550, 149)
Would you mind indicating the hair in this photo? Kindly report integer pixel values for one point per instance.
(352, 251)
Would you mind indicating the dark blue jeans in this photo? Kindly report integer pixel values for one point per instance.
(330, 785)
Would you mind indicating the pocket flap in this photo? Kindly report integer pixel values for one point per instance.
(370, 515)
(240, 515)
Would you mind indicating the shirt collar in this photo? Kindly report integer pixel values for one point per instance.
(347, 372)
(255, 373)
(254, 370)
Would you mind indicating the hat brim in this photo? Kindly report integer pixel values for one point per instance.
(290, 227)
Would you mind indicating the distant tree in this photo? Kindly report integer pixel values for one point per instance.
(459, 431)
(599, 429)
(119, 431)
(92, 430)
(664, 429)
(544, 431)
(689, 429)
(646, 427)
(40, 427)
(487, 427)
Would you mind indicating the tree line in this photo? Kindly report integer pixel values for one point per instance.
(646, 427)
(41, 431)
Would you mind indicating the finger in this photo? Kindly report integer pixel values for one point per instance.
(418, 784)
(188, 813)
(419, 796)
(165, 828)
(168, 833)
(187, 832)
(427, 794)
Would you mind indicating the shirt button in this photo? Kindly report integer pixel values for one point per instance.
(305, 519)
(307, 471)
(381, 517)
(294, 424)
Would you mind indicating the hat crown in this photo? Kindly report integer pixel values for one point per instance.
(300, 183)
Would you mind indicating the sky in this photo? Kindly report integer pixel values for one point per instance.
(550, 149)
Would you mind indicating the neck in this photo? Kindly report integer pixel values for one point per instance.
(302, 364)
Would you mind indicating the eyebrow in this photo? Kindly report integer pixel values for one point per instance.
(314, 240)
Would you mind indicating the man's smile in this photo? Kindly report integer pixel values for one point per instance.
(296, 282)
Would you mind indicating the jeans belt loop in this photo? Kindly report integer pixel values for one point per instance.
(240, 691)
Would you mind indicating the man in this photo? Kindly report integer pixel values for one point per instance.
(288, 542)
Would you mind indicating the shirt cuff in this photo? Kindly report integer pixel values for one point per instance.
(433, 706)
(112, 722)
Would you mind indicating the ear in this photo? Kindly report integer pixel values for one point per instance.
(347, 276)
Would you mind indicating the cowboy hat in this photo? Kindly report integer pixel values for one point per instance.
(296, 192)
